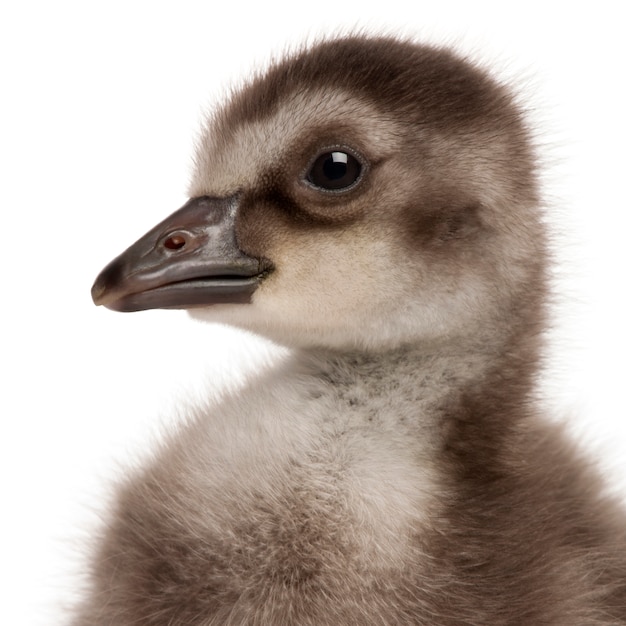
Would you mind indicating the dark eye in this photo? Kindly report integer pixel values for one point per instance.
(334, 171)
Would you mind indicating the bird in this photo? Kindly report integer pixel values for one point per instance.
(373, 205)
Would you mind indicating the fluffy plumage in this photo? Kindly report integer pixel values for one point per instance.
(394, 468)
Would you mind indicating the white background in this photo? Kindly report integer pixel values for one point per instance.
(99, 106)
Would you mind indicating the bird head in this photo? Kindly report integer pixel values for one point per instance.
(362, 193)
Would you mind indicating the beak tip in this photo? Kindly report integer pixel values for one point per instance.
(105, 287)
(98, 293)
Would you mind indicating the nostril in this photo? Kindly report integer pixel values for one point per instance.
(175, 242)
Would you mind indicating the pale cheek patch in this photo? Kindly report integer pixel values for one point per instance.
(339, 290)
(350, 289)
(341, 273)
(231, 159)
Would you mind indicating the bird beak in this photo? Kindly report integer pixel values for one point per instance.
(190, 259)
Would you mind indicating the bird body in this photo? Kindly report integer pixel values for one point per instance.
(371, 204)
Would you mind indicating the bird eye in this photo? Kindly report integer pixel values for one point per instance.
(334, 171)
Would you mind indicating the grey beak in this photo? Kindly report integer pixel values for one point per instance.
(190, 259)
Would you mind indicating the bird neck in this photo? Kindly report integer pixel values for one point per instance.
(471, 381)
